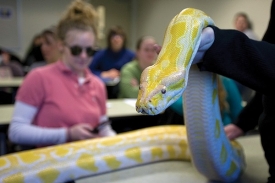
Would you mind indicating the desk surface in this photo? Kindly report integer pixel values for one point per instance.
(121, 108)
(115, 108)
(11, 82)
(183, 172)
(17, 81)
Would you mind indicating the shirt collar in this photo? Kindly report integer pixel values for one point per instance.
(65, 69)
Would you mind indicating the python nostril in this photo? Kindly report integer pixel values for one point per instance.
(150, 101)
(138, 109)
(143, 111)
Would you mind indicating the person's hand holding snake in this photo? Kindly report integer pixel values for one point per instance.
(207, 39)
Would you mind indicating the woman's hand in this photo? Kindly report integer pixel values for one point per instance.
(112, 74)
(232, 131)
(80, 132)
(207, 39)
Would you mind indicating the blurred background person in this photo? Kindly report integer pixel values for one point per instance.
(33, 53)
(49, 48)
(8, 69)
(108, 62)
(243, 24)
(131, 72)
(6, 61)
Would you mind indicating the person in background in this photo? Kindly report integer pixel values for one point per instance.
(131, 72)
(108, 62)
(7, 63)
(243, 24)
(230, 101)
(8, 69)
(49, 48)
(34, 53)
(63, 101)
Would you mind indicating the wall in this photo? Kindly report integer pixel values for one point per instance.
(154, 15)
(117, 12)
(140, 17)
(38, 15)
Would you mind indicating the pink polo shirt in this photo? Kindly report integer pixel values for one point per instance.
(60, 99)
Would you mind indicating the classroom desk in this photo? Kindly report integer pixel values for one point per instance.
(121, 108)
(11, 82)
(115, 108)
(6, 114)
(17, 81)
(183, 172)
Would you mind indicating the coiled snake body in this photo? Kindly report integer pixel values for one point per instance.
(164, 82)
(212, 154)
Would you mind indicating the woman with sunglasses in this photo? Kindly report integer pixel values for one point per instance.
(63, 101)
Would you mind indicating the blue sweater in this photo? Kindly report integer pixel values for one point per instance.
(106, 59)
(233, 98)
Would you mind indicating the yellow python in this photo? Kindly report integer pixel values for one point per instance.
(72, 161)
(164, 82)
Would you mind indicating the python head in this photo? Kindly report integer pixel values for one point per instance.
(158, 90)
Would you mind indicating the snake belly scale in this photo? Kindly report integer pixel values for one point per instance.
(163, 83)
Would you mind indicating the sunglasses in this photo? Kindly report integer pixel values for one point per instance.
(77, 50)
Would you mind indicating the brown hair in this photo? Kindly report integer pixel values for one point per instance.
(49, 32)
(79, 15)
(245, 16)
(116, 30)
(140, 41)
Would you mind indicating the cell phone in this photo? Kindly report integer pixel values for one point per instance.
(100, 126)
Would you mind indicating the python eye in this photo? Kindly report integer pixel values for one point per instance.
(163, 91)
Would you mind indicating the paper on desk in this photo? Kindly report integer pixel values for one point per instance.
(131, 102)
(108, 105)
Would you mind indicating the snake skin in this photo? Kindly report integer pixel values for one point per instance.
(72, 161)
(212, 153)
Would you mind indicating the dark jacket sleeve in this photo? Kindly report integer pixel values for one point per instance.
(249, 116)
(234, 55)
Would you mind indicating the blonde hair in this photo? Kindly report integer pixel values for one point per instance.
(79, 15)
